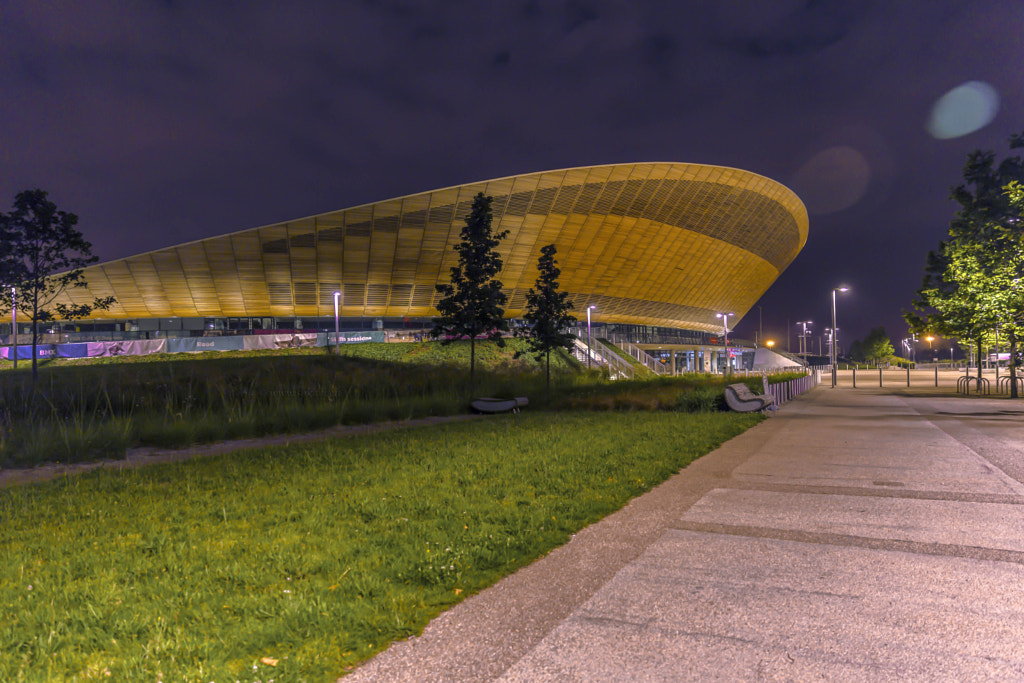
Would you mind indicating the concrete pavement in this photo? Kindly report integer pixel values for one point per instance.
(856, 535)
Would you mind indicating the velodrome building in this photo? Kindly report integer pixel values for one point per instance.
(652, 246)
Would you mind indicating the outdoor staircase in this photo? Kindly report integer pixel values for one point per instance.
(649, 362)
(602, 356)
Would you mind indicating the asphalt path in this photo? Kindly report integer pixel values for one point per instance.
(859, 535)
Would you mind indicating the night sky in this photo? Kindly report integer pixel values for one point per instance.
(163, 122)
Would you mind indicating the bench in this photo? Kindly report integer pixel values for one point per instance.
(740, 398)
(499, 405)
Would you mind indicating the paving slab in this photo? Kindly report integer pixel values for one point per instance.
(700, 606)
(986, 525)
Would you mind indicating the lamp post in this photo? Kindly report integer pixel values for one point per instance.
(725, 336)
(760, 324)
(589, 352)
(835, 332)
(337, 295)
(803, 337)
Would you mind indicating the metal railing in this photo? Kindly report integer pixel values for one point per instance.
(602, 356)
(787, 391)
(642, 356)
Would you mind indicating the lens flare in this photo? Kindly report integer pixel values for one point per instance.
(833, 179)
(963, 110)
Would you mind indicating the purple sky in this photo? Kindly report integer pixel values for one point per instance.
(163, 122)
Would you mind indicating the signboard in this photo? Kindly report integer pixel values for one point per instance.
(357, 337)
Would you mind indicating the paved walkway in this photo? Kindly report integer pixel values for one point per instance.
(856, 536)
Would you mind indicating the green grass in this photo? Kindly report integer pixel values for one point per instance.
(314, 556)
(89, 411)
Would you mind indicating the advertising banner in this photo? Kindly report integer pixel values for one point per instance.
(218, 343)
(357, 337)
(135, 347)
(80, 350)
(25, 351)
(279, 341)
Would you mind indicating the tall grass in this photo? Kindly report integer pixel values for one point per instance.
(86, 411)
(313, 557)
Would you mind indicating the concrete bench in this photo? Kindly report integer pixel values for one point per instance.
(740, 398)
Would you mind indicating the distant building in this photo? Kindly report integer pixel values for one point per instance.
(651, 245)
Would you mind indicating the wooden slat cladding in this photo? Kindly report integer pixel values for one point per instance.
(653, 243)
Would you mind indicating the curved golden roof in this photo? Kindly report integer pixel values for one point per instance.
(654, 243)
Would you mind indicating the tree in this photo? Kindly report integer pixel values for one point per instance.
(972, 282)
(43, 256)
(472, 305)
(876, 346)
(547, 312)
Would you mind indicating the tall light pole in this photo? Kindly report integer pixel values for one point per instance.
(803, 337)
(835, 331)
(589, 352)
(725, 336)
(759, 334)
(337, 295)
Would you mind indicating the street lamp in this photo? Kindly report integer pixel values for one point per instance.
(589, 352)
(835, 332)
(725, 336)
(337, 295)
(803, 337)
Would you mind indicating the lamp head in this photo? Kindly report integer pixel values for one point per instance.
(842, 289)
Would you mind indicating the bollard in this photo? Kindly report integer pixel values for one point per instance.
(936, 375)
(854, 376)
(908, 374)
(879, 378)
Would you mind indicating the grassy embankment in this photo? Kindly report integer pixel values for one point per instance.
(83, 410)
(86, 410)
(294, 563)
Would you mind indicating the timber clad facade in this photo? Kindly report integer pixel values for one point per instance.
(665, 244)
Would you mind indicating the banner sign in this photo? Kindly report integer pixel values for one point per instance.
(197, 344)
(135, 347)
(25, 351)
(279, 341)
(219, 343)
(80, 350)
(357, 337)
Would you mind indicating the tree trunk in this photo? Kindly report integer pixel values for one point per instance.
(472, 364)
(1013, 364)
(548, 368)
(979, 362)
(35, 352)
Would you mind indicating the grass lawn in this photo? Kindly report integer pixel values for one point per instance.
(294, 563)
(90, 409)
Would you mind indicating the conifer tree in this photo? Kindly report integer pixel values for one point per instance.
(473, 304)
(547, 312)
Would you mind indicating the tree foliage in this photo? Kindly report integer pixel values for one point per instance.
(875, 347)
(973, 280)
(472, 306)
(547, 312)
(42, 256)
